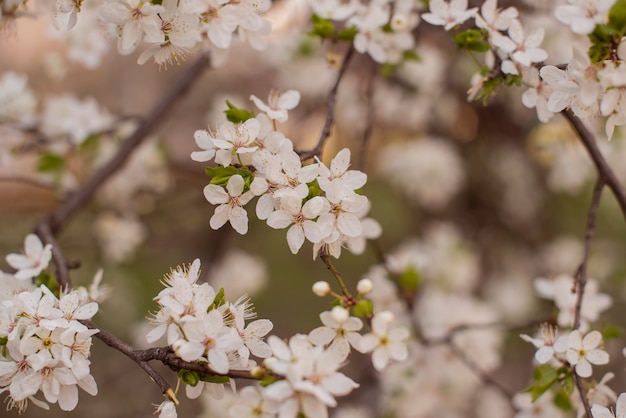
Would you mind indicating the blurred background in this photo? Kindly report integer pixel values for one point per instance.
(489, 196)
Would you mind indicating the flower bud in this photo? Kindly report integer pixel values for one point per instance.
(364, 286)
(321, 288)
(340, 314)
(387, 316)
(257, 372)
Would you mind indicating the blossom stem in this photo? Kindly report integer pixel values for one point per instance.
(326, 259)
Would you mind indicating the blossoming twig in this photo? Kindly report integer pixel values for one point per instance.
(602, 166)
(330, 110)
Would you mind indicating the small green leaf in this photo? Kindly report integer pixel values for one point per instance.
(336, 302)
(410, 278)
(49, 280)
(90, 143)
(220, 175)
(215, 378)
(266, 381)
(49, 162)
(387, 28)
(472, 40)
(545, 375)
(219, 300)
(562, 401)
(568, 384)
(314, 190)
(189, 377)
(348, 34)
(610, 332)
(411, 56)
(236, 115)
(4, 341)
(364, 308)
(387, 70)
(323, 28)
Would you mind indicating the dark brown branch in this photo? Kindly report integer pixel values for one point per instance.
(603, 168)
(62, 264)
(583, 394)
(581, 273)
(162, 354)
(130, 352)
(62, 215)
(330, 110)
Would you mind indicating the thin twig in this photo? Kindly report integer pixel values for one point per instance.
(326, 259)
(581, 273)
(484, 376)
(29, 182)
(330, 110)
(62, 215)
(583, 394)
(603, 168)
(62, 265)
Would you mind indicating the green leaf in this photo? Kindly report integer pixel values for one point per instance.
(411, 56)
(568, 384)
(336, 302)
(617, 17)
(314, 190)
(219, 300)
(562, 401)
(364, 308)
(348, 34)
(323, 28)
(220, 175)
(215, 378)
(410, 278)
(3, 341)
(189, 377)
(387, 70)
(49, 280)
(472, 40)
(610, 332)
(387, 28)
(90, 143)
(545, 375)
(50, 163)
(237, 115)
(266, 381)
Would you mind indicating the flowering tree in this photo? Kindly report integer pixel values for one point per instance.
(427, 321)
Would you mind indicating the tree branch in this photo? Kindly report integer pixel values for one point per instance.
(64, 213)
(603, 168)
(330, 110)
(581, 273)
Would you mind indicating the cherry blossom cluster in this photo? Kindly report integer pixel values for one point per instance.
(44, 346)
(382, 28)
(317, 203)
(560, 349)
(172, 28)
(201, 326)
